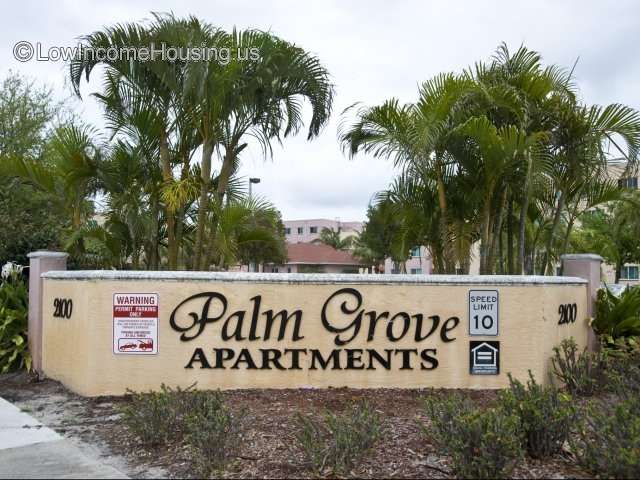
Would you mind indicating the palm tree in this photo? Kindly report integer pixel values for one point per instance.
(68, 170)
(506, 150)
(580, 158)
(173, 107)
(516, 90)
(333, 238)
(140, 99)
(611, 231)
(245, 222)
(414, 135)
(492, 153)
(264, 100)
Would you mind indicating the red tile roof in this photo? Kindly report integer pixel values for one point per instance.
(318, 254)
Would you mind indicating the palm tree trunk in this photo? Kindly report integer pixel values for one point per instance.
(155, 241)
(444, 220)
(184, 174)
(567, 235)
(207, 153)
(554, 227)
(497, 233)
(533, 254)
(484, 240)
(500, 253)
(523, 214)
(223, 182)
(572, 218)
(167, 176)
(510, 266)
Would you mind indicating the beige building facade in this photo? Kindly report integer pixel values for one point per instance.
(106, 331)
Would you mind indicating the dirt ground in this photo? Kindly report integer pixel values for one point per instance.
(268, 449)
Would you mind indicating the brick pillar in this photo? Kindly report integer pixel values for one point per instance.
(587, 266)
(39, 263)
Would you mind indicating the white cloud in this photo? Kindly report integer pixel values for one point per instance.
(374, 50)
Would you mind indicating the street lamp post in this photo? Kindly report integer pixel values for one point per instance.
(251, 182)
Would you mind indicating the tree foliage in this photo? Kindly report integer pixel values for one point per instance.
(611, 232)
(30, 218)
(503, 153)
(160, 207)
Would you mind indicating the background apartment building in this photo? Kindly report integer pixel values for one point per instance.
(630, 274)
(306, 231)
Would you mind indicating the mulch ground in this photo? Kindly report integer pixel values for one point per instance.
(269, 448)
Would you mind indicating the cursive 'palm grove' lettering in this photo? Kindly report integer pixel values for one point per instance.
(233, 325)
(343, 315)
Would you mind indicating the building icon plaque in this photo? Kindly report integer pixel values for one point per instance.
(484, 358)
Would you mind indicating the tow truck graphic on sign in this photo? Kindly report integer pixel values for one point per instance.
(135, 323)
(138, 344)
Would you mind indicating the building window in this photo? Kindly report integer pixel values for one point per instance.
(288, 269)
(313, 229)
(274, 270)
(629, 272)
(415, 252)
(287, 231)
(628, 182)
(416, 271)
(300, 230)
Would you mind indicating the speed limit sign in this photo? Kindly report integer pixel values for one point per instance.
(483, 312)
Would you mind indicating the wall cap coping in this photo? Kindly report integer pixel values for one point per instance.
(47, 254)
(318, 278)
(581, 256)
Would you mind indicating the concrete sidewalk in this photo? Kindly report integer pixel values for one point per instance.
(29, 449)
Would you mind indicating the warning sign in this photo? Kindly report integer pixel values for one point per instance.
(135, 323)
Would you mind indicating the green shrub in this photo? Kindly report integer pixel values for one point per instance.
(608, 440)
(214, 434)
(617, 316)
(623, 366)
(14, 303)
(158, 417)
(546, 415)
(337, 442)
(199, 417)
(481, 444)
(582, 373)
(155, 417)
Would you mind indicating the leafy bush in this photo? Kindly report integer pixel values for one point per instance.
(14, 303)
(31, 220)
(199, 417)
(340, 440)
(155, 417)
(608, 440)
(623, 367)
(582, 373)
(481, 444)
(546, 415)
(618, 316)
(214, 433)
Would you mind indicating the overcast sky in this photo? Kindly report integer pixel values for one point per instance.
(374, 50)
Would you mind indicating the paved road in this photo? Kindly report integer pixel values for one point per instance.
(29, 449)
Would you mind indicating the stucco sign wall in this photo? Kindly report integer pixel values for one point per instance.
(289, 331)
